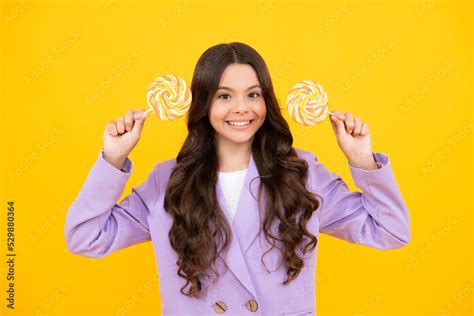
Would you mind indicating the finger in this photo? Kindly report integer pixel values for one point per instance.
(338, 126)
(120, 125)
(129, 120)
(339, 114)
(138, 114)
(349, 121)
(138, 125)
(357, 126)
(333, 119)
(111, 129)
(364, 130)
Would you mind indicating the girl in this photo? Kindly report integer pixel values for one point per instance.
(234, 218)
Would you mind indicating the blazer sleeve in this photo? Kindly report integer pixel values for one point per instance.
(376, 217)
(96, 225)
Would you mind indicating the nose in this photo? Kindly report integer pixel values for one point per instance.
(240, 107)
(240, 110)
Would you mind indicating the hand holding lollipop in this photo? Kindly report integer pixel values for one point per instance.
(121, 136)
(307, 103)
(169, 97)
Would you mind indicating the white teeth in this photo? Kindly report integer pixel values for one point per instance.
(239, 123)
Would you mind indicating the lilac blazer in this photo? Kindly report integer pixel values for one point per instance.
(96, 225)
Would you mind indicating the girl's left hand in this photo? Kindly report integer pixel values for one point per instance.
(353, 137)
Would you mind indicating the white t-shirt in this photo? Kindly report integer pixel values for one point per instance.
(231, 185)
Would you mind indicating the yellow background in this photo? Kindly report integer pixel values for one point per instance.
(404, 67)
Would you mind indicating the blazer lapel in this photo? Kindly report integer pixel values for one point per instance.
(247, 220)
(245, 227)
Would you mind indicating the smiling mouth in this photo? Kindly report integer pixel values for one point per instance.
(239, 124)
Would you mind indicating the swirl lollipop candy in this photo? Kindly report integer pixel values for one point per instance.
(169, 97)
(307, 103)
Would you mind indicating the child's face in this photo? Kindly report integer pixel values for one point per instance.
(238, 99)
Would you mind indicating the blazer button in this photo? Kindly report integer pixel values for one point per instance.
(219, 307)
(252, 305)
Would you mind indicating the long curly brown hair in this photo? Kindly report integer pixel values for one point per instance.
(200, 230)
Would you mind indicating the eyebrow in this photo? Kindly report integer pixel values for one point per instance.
(230, 89)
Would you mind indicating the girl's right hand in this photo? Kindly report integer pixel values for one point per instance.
(121, 136)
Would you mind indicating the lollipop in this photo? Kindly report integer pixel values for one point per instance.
(307, 103)
(169, 97)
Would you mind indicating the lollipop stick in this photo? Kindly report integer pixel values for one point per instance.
(330, 113)
(145, 113)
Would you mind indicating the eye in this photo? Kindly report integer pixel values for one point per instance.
(254, 95)
(223, 96)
